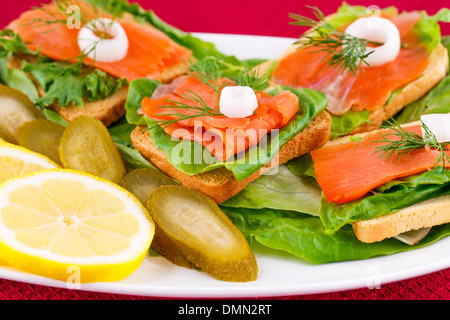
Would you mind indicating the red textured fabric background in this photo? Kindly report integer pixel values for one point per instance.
(253, 17)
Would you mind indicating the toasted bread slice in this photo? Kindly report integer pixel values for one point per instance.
(220, 184)
(433, 74)
(425, 214)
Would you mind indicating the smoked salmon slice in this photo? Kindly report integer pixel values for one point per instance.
(150, 52)
(346, 172)
(371, 87)
(224, 137)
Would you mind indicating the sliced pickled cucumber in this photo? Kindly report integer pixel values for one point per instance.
(195, 225)
(42, 136)
(86, 145)
(142, 182)
(15, 109)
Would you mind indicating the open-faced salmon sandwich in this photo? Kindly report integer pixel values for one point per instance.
(386, 182)
(216, 130)
(370, 62)
(81, 55)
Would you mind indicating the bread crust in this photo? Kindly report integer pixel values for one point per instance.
(107, 110)
(220, 184)
(421, 215)
(433, 74)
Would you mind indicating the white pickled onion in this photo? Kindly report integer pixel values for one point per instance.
(237, 101)
(103, 50)
(439, 124)
(378, 30)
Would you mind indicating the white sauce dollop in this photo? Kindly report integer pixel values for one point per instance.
(103, 50)
(381, 30)
(439, 124)
(237, 101)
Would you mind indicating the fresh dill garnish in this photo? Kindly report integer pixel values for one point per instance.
(213, 73)
(207, 72)
(252, 79)
(198, 109)
(404, 142)
(343, 51)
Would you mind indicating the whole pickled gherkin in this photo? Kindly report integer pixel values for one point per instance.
(15, 109)
(193, 223)
(86, 145)
(42, 136)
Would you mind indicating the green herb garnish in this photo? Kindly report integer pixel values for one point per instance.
(343, 51)
(404, 142)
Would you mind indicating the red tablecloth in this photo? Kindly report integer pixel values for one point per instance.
(253, 17)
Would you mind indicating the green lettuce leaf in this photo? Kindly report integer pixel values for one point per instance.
(11, 43)
(346, 14)
(304, 236)
(279, 189)
(436, 101)
(17, 79)
(343, 125)
(71, 84)
(428, 28)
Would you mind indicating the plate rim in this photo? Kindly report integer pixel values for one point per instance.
(251, 289)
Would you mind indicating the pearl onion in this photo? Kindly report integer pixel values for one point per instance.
(378, 30)
(103, 50)
(237, 101)
(439, 124)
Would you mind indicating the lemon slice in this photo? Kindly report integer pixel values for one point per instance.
(72, 226)
(16, 161)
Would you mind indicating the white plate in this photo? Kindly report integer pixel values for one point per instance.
(279, 274)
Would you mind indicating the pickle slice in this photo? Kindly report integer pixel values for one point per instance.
(142, 182)
(42, 136)
(197, 227)
(15, 109)
(86, 145)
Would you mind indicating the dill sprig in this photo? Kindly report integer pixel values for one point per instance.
(343, 51)
(250, 77)
(404, 142)
(198, 108)
(209, 72)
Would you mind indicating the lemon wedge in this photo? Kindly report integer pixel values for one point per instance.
(16, 161)
(72, 226)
